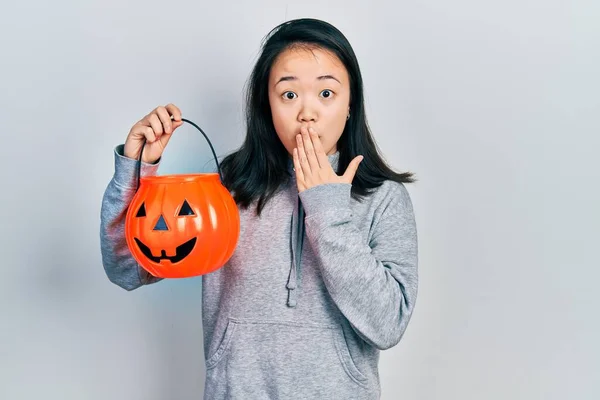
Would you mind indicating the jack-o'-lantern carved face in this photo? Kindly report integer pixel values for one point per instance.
(182, 226)
(181, 251)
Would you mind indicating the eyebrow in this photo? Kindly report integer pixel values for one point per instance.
(293, 78)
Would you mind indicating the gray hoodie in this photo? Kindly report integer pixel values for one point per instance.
(317, 286)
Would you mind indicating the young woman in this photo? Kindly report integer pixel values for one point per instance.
(325, 272)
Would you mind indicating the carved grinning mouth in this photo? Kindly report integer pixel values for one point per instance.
(181, 251)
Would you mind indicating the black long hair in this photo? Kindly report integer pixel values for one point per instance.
(260, 166)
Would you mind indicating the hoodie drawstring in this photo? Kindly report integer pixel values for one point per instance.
(297, 242)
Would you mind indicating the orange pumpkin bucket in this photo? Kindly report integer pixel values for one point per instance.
(185, 225)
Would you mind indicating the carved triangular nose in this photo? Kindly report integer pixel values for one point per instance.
(161, 225)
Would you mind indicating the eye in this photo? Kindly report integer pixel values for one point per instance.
(327, 93)
(289, 95)
(185, 209)
(141, 211)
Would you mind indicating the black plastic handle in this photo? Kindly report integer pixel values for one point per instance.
(139, 166)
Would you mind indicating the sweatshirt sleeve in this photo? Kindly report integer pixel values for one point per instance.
(119, 265)
(373, 284)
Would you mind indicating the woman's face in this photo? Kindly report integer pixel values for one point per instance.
(309, 87)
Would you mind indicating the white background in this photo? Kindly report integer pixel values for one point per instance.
(493, 104)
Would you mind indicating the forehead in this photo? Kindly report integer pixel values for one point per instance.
(306, 62)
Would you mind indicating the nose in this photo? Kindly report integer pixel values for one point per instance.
(307, 114)
(161, 224)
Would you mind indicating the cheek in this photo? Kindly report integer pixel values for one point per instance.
(281, 123)
(284, 122)
(336, 121)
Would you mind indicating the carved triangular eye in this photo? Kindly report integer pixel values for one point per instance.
(142, 211)
(186, 209)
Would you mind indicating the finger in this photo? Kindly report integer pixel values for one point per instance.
(145, 132)
(319, 151)
(174, 111)
(298, 168)
(165, 119)
(164, 139)
(348, 176)
(302, 155)
(176, 124)
(142, 131)
(155, 123)
(309, 149)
